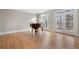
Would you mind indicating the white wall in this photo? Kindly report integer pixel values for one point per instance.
(12, 20)
(52, 20)
(77, 23)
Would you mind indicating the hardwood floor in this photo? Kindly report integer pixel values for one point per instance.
(45, 40)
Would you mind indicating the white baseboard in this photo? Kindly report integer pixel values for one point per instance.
(14, 31)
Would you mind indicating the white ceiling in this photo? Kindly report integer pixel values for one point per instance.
(34, 11)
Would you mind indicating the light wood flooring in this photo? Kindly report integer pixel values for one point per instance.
(45, 40)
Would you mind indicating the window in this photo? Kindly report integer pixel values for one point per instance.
(45, 21)
(69, 21)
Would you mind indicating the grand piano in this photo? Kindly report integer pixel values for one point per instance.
(36, 26)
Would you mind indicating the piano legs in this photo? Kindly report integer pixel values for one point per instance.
(36, 30)
(42, 29)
